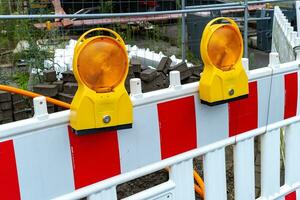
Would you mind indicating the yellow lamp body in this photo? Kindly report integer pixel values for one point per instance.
(224, 78)
(100, 67)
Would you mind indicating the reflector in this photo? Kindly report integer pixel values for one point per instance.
(224, 47)
(224, 78)
(102, 64)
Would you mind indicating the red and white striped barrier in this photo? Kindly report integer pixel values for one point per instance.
(41, 158)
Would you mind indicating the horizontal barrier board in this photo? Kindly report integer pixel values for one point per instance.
(42, 158)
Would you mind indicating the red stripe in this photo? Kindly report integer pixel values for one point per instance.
(291, 95)
(177, 123)
(95, 157)
(291, 196)
(243, 114)
(9, 183)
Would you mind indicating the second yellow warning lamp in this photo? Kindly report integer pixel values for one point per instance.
(100, 66)
(224, 78)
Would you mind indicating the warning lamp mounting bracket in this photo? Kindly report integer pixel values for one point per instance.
(99, 130)
(224, 101)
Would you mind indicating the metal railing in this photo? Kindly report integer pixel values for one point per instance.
(184, 10)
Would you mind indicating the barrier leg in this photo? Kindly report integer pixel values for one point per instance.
(215, 175)
(270, 163)
(292, 154)
(244, 178)
(182, 175)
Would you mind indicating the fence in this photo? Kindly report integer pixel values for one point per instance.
(63, 161)
(182, 134)
(285, 39)
(55, 37)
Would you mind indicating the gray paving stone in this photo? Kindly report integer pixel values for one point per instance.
(49, 75)
(46, 89)
(164, 65)
(70, 88)
(148, 75)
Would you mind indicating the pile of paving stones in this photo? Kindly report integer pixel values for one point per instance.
(155, 79)
(63, 90)
(13, 107)
(22, 107)
(6, 111)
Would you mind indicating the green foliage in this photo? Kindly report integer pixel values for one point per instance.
(21, 79)
(6, 36)
(106, 6)
(40, 44)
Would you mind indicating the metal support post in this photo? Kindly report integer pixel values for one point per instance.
(246, 29)
(183, 28)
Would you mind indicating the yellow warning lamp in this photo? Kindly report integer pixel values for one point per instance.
(224, 78)
(100, 66)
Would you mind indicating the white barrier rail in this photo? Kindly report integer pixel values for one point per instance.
(214, 159)
(214, 169)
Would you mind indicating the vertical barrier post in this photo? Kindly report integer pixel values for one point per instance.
(245, 63)
(215, 175)
(270, 163)
(292, 152)
(175, 81)
(182, 175)
(244, 178)
(274, 60)
(40, 107)
(270, 152)
(136, 88)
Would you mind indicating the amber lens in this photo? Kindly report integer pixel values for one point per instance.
(224, 47)
(102, 64)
